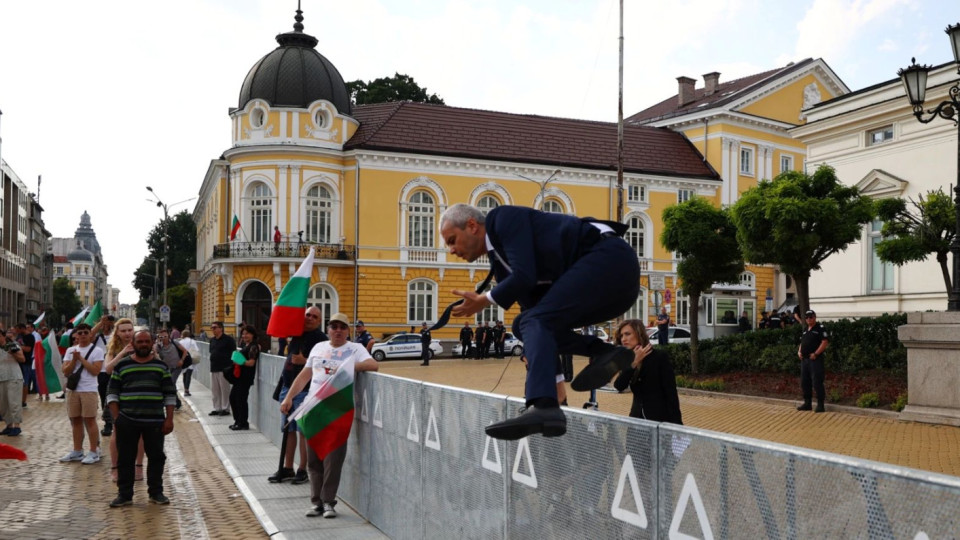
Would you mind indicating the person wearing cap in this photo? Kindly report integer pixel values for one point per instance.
(325, 359)
(425, 339)
(466, 338)
(812, 344)
(363, 337)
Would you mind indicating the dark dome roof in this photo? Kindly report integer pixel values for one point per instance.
(295, 75)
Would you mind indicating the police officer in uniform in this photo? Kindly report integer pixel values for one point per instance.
(812, 344)
(497, 334)
(425, 339)
(479, 336)
(466, 338)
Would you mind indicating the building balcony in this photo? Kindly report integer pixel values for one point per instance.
(294, 250)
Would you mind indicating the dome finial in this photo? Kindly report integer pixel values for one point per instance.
(298, 26)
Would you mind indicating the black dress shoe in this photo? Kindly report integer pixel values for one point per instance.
(238, 427)
(602, 368)
(805, 407)
(550, 421)
(820, 408)
(215, 412)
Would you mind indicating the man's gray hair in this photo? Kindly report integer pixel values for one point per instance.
(458, 215)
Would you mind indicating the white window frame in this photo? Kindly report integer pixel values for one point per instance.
(259, 203)
(319, 214)
(421, 301)
(635, 235)
(684, 195)
(639, 309)
(325, 298)
(682, 310)
(874, 235)
(886, 135)
(552, 206)
(636, 193)
(747, 155)
(786, 163)
(487, 202)
(490, 314)
(421, 220)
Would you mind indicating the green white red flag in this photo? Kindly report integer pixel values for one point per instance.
(286, 319)
(326, 415)
(234, 227)
(78, 318)
(47, 362)
(95, 314)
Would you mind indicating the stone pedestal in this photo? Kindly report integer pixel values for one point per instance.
(933, 367)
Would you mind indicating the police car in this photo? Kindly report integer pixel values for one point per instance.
(677, 334)
(403, 346)
(511, 345)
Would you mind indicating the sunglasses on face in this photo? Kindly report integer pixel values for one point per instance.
(810, 317)
(312, 316)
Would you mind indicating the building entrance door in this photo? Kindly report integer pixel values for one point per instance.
(256, 304)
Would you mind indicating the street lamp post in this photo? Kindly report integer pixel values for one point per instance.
(166, 226)
(914, 79)
(542, 183)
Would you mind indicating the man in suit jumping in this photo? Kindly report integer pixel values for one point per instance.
(565, 272)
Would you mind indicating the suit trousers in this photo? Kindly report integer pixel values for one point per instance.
(324, 475)
(221, 391)
(601, 285)
(128, 433)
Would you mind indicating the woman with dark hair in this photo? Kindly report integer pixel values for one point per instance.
(650, 376)
(243, 376)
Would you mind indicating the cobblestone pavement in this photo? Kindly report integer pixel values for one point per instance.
(43, 498)
(873, 435)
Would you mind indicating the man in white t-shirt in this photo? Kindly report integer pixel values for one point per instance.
(325, 359)
(82, 402)
(101, 334)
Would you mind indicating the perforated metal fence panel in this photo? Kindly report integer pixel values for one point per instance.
(268, 417)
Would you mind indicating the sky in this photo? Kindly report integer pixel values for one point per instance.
(105, 97)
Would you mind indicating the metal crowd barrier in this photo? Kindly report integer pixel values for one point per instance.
(420, 466)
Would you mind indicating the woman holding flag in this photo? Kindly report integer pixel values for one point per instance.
(326, 415)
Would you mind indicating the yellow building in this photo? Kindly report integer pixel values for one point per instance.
(741, 127)
(364, 187)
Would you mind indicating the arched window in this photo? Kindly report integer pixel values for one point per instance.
(420, 218)
(260, 203)
(319, 207)
(487, 203)
(747, 279)
(634, 235)
(421, 306)
(490, 314)
(552, 206)
(322, 297)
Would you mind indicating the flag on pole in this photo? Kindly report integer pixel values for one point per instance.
(95, 314)
(286, 319)
(235, 227)
(78, 318)
(326, 416)
(40, 318)
(47, 362)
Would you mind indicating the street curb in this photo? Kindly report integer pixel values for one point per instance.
(874, 413)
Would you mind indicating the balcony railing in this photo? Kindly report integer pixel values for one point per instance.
(270, 250)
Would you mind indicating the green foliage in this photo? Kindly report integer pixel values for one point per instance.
(797, 220)
(855, 345)
(900, 403)
(66, 303)
(915, 228)
(710, 385)
(706, 240)
(834, 395)
(390, 89)
(182, 300)
(181, 250)
(868, 399)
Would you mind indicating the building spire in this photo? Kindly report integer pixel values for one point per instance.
(298, 26)
(297, 38)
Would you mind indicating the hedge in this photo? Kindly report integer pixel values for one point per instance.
(855, 345)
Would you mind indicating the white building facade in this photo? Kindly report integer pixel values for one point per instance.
(874, 141)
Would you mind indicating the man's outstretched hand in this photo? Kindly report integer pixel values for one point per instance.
(473, 303)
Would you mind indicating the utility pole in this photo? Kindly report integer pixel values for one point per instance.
(620, 128)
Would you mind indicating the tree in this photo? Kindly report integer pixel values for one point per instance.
(797, 220)
(913, 229)
(66, 303)
(182, 300)
(706, 240)
(181, 249)
(389, 89)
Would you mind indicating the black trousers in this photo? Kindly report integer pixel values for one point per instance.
(479, 351)
(128, 433)
(498, 349)
(465, 350)
(103, 379)
(811, 377)
(187, 375)
(239, 394)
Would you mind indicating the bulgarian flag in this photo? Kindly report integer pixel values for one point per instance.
(95, 314)
(235, 227)
(46, 362)
(12, 452)
(78, 318)
(326, 416)
(286, 319)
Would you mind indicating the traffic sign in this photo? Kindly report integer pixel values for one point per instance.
(658, 282)
(667, 296)
(164, 313)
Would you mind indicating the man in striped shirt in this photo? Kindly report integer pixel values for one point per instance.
(139, 391)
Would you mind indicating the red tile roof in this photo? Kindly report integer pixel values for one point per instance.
(451, 131)
(60, 259)
(725, 93)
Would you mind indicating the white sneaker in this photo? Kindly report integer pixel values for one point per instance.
(328, 511)
(75, 455)
(91, 458)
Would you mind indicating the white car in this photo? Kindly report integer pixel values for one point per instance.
(677, 334)
(511, 345)
(403, 346)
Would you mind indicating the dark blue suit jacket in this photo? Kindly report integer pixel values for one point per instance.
(537, 246)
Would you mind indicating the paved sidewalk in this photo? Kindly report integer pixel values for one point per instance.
(249, 458)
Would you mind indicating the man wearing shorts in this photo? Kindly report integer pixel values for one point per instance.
(82, 402)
